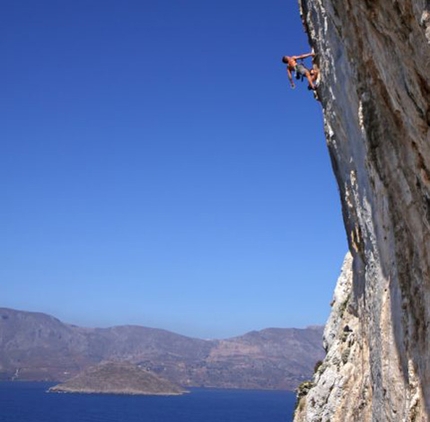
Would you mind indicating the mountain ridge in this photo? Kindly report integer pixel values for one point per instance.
(37, 346)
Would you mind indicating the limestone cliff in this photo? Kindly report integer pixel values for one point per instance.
(374, 57)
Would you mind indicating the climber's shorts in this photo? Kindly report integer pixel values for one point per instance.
(301, 70)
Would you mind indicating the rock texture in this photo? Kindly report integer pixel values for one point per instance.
(35, 346)
(374, 57)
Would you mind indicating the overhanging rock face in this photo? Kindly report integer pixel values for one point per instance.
(374, 57)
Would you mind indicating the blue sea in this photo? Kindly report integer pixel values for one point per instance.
(29, 402)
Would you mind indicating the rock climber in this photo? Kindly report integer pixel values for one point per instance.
(300, 69)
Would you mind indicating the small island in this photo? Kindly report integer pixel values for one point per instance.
(118, 378)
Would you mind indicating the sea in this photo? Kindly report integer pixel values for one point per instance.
(29, 402)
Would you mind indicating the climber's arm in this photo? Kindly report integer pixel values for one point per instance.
(290, 77)
(304, 56)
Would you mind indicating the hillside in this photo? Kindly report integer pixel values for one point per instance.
(35, 346)
(118, 378)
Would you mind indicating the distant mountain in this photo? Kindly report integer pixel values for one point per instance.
(118, 378)
(36, 346)
(274, 358)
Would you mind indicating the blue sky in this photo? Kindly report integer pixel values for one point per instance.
(157, 169)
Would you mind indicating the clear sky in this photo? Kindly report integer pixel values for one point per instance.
(156, 168)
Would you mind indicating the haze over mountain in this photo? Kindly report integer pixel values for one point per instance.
(36, 346)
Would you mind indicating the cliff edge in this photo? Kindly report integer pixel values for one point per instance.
(374, 58)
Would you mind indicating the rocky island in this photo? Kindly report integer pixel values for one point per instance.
(118, 378)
